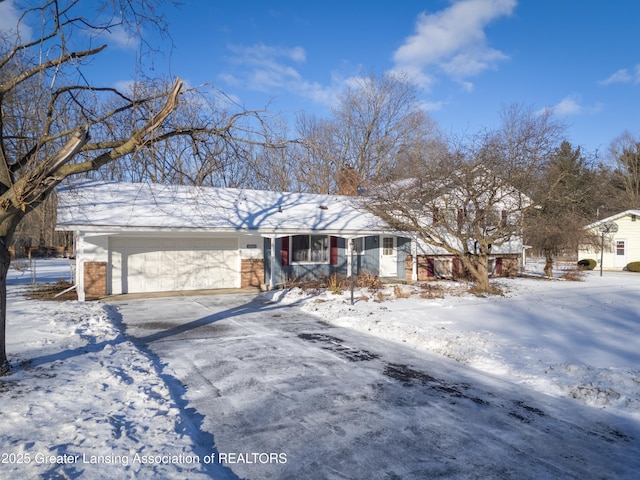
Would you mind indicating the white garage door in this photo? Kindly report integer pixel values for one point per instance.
(172, 264)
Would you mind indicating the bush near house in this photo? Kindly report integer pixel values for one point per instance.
(633, 267)
(587, 264)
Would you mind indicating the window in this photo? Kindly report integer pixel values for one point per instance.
(620, 247)
(310, 248)
(442, 268)
(387, 246)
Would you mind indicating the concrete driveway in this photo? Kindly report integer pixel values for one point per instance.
(276, 393)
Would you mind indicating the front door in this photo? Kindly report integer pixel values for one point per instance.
(620, 254)
(389, 257)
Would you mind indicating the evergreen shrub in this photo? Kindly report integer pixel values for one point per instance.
(633, 267)
(587, 264)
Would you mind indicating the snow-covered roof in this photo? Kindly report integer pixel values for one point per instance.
(117, 205)
(613, 218)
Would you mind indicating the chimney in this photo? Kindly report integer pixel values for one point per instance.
(348, 181)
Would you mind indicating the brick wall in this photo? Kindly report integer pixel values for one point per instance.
(423, 268)
(95, 279)
(251, 272)
(509, 267)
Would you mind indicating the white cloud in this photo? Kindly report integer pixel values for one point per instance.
(263, 67)
(568, 106)
(125, 86)
(270, 68)
(116, 35)
(9, 17)
(119, 37)
(623, 76)
(573, 105)
(432, 106)
(453, 40)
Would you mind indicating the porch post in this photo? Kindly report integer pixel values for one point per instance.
(272, 275)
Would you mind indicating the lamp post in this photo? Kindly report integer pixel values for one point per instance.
(352, 245)
(605, 228)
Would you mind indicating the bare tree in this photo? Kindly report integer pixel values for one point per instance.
(625, 152)
(318, 159)
(55, 125)
(470, 197)
(200, 158)
(377, 123)
(274, 166)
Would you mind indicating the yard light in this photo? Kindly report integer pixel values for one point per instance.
(608, 227)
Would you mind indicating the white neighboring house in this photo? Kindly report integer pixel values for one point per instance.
(621, 247)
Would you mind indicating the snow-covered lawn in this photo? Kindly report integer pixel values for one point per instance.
(79, 384)
(563, 338)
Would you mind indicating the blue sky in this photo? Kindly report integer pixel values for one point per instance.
(469, 57)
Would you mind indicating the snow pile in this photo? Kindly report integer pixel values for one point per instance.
(84, 401)
(570, 339)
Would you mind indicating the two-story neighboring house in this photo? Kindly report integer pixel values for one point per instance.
(620, 247)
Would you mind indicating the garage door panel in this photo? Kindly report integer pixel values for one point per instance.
(162, 264)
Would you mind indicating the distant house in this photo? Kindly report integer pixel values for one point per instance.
(132, 238)
(620, 247)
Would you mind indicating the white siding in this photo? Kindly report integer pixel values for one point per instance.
(629, 231)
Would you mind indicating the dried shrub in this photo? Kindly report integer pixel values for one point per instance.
(431, 291)
(311, 286)
(398, 292)
(48, 291)
(573, 275)
(379, 297)
(369, 281)
(334, 284)
(492, 290)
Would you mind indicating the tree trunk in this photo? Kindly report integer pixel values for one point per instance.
(548, 265)
(482, 273)
(478, 267)
(5, 263)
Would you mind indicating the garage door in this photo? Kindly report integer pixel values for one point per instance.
(168, 264)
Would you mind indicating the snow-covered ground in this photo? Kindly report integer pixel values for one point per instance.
(79, 384)
(563, 338)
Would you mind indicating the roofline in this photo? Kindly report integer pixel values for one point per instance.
(632, 211)
(120, 230)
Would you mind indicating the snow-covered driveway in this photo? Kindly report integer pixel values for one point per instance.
(279, 393)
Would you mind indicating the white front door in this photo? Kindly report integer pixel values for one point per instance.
(388, 257)
(620, 252)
